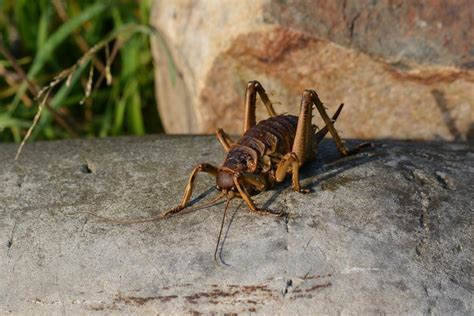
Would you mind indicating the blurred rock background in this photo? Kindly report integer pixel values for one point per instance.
(404, 69)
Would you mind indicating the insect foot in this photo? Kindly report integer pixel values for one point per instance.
(171, 211)
(361, 147)
(263, 212)
(304, 191)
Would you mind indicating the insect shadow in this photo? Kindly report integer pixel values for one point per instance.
(325, 167)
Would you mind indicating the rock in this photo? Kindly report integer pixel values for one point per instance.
(387, 231)
(403, 70)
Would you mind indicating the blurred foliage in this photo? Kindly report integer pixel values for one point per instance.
(47, 37)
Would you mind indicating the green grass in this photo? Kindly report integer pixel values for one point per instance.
(46, 37)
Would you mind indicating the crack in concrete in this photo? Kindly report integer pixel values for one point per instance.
(287, 228)
(288, 285)
(449, 120)
(344, 5)
(84, 224)
(424, 218)
(10, 240)
(307, 244)
(352, 25)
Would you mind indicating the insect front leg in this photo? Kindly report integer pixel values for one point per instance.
(240, 185)
(254, 87)
(255, 180)
(204, 167)
(224, 139)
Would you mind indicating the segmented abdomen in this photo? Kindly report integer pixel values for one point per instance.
(273, 135)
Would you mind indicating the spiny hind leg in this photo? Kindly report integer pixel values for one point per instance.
(224, 139)
(290, 160)
(254, 87)
(305, 142)
(318, 137)
(329, 123)
(332, 130)
(204, 167)
(303, 145)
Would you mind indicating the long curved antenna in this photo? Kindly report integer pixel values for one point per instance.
(157, 217)
(220, 231)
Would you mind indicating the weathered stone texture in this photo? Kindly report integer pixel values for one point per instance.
(403, 69)
(388, 231)
(426, 32)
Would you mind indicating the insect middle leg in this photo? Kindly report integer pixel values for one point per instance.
(224, 139)
(254, 87)
(204, 167)
(290, 159)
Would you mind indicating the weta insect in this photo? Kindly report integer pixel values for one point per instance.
(266, 152)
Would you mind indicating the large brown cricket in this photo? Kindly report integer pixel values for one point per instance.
(267, 151)
(264, 155)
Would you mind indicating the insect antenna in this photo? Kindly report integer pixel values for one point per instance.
(220, 231)
(213, 202)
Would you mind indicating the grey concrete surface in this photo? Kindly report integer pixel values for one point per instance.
(388, 231)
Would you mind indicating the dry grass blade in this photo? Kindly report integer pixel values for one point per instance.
(19, 71)
(69, 78)
(108, 62)
(12, 79)
(88, 85)
(53, 39)
(34, 89)
(66, 74)
(80, 41)
(35, 121)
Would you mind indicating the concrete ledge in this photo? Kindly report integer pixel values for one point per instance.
(385, 232)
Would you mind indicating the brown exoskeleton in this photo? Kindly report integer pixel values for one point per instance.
(267, 151)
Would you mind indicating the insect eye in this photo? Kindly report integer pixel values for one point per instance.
(218, 187)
